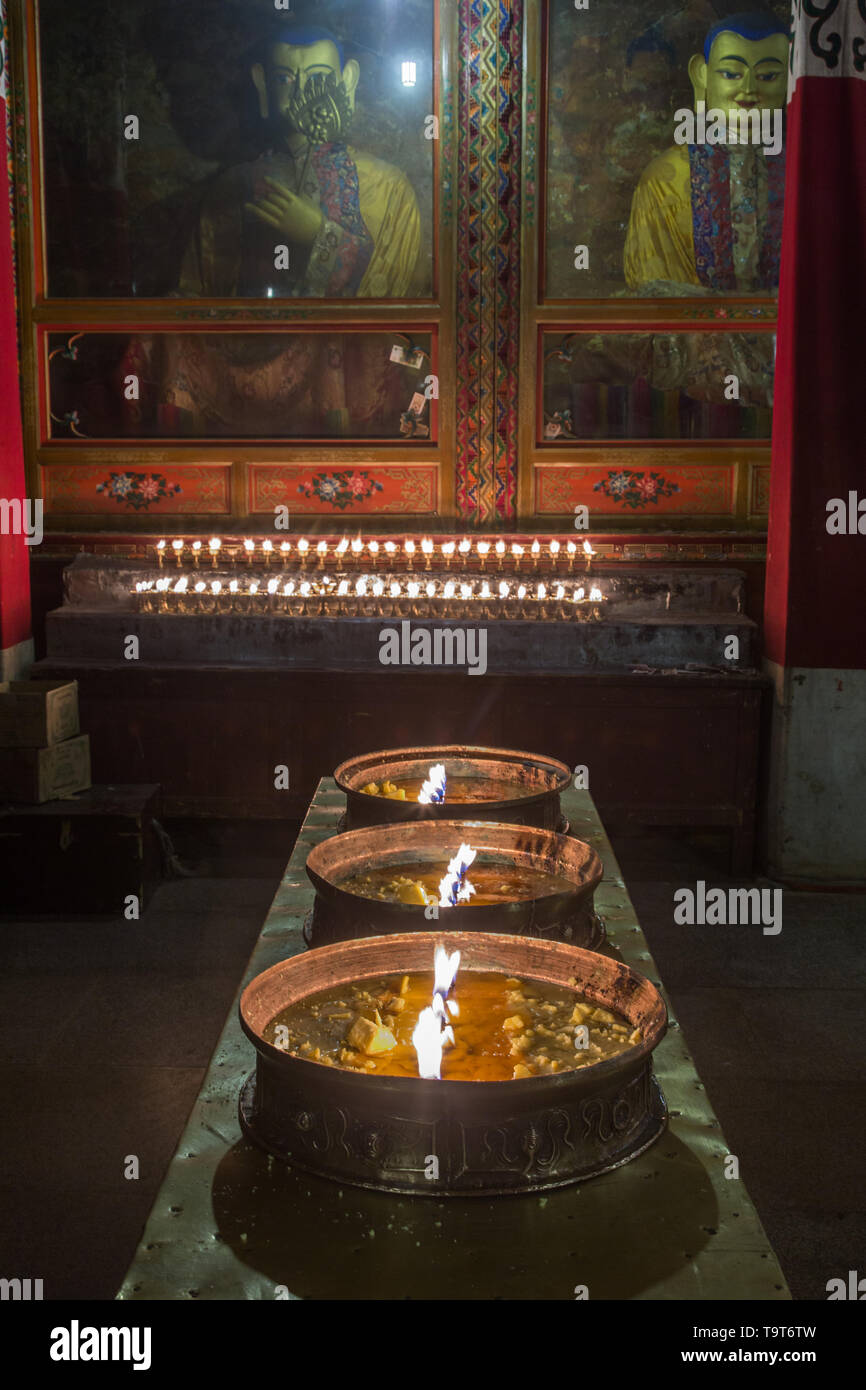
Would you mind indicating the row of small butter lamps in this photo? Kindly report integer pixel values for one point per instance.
(498, 553)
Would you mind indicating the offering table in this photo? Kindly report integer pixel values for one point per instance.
(230, 1222)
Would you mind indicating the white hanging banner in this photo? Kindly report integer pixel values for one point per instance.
(828, 40)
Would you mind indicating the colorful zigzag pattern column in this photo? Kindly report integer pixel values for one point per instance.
(488, 288)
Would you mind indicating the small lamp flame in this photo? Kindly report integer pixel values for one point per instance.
(433, 1031)
(455, 888)
(432, 792)
(428, 1040)
(445, 969)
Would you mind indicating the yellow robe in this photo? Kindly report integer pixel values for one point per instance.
(390, 210)
(212, 268)
(660, 241)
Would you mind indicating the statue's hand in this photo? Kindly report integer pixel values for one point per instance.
(297, 218)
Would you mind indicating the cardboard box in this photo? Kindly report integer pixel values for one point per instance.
(45, 774)
(38, 714)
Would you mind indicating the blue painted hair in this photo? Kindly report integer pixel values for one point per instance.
(749, 24)
(302, 35)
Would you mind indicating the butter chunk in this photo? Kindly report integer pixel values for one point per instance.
(409, 891)
(580, 1013)
(515, 1024)
(370, 1038)
(602, 1016)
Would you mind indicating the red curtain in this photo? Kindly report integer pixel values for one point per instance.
(14, 553)
(815, 614)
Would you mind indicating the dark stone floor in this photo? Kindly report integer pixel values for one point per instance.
(106, 1029)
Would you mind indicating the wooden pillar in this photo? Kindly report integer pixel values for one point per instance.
(16, 647)
(815, 615)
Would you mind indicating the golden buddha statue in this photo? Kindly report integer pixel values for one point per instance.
(710, 214)
(349, 222)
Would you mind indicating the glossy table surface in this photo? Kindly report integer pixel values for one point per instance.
(229, 1222)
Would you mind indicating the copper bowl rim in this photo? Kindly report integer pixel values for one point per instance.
(571, 854)
(561, 775)
(654, 1026)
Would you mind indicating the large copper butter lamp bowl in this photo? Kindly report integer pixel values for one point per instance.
(567, 914)
(535, 783)
(487, 1137)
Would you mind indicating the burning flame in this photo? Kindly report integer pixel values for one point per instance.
(454, 888)
(428, 1040)
(433, 1031)
(445, 969)
(433, 791)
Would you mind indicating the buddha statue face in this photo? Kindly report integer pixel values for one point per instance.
(304, 89)
(741, 73)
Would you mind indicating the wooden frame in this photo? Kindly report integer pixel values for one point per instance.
(703, 313)
(38, 314)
